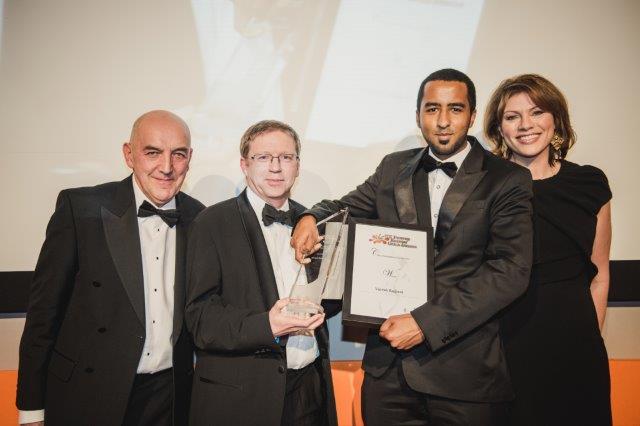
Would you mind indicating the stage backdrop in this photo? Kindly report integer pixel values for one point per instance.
(74, 74)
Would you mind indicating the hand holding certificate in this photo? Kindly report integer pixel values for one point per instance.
(402, 331)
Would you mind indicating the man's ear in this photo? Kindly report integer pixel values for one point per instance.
(127, 152)
(243, 165)
(473, 118)
(189, 158)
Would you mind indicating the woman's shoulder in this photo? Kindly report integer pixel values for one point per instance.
(588, 181)
(585, 171)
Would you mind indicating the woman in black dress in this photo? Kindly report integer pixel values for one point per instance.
(557, 359)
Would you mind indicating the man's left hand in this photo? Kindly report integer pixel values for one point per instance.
(402, 331)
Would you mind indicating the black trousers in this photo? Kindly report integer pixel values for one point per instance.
(304, 401)
(388, 400)
(151, 400)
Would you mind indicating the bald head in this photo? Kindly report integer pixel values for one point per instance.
(158, 118)
(159, 153)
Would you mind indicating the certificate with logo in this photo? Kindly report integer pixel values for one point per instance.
(389, 271)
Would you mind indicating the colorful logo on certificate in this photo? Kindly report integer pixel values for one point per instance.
(391, 240)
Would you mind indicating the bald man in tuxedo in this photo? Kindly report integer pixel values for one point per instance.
(104, 342)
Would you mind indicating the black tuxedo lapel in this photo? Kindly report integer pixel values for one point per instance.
(297, 209)
(179, 284)
(463, 184)
(120, 222)
(421, 197)
(403, 191)
(259, 250)
(186, 216)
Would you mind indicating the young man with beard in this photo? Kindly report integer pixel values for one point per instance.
(443, 362)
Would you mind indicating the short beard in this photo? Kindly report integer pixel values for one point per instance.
(456, 146)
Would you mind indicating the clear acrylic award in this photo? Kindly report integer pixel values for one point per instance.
(325, 273)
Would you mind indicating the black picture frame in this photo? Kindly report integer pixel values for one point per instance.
(351, 319)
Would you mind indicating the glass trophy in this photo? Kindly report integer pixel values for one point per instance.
(325, 273)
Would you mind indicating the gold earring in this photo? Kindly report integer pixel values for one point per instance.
(557, 142)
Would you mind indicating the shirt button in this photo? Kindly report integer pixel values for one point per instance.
(148, 353)
(281, 369)
(437, 186)
(157, 258)
(435, 215)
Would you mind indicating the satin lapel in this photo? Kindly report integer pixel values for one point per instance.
(182, 227)
(297, 208)
(463, 184)
(259, 250)
(120, 222)
(403, 190)
(421, 197)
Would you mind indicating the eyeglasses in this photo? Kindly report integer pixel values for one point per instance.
(265, 157)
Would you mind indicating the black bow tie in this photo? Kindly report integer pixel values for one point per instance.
(270, 214)
(429, 164)
(170, 216)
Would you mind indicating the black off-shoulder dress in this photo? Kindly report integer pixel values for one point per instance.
(557, 359)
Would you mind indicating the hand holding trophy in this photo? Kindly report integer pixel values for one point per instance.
(324, 271)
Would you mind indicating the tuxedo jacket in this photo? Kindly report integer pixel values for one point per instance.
(240, 368)
(483, 250)
(85, 325)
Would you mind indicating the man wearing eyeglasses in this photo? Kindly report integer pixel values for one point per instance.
(255, 365)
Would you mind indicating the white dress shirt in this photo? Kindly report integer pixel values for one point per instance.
(158, 246)
(439, 182)
(301, 350)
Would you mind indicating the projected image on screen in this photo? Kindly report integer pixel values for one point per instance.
(343, 72)
(260, 59)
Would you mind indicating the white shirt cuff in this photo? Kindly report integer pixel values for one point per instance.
(30, 416)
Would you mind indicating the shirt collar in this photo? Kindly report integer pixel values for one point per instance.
(258, 203)
(457, 158)
(140, 197)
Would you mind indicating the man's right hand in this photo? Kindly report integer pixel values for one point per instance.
(283, 324)
(305, 239)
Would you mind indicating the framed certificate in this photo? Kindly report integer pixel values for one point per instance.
(389, 271)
